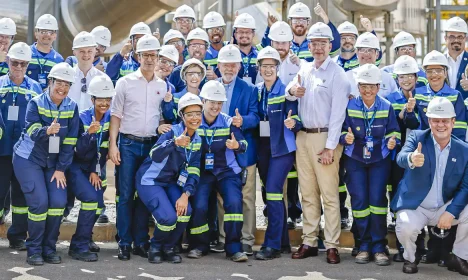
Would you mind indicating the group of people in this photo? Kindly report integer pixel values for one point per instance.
(188, 122)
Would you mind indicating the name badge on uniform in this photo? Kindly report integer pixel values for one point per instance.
(42, 79)
(98, 169)
(13, 112)
(182, 178)
(54, 144)
(247, 79)
(209, 161)
(370, 143)
(264, 128)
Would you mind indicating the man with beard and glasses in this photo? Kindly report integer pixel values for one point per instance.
(455, 38)
(214, 25)
(7, 34)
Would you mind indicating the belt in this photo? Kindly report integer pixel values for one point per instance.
(315, 130)
(140, 139)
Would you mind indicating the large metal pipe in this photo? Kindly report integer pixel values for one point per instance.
(31, 12)
(438, 25)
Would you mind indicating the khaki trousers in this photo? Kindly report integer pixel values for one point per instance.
(318, 181)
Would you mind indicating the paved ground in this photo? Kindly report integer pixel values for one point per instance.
(13, 266)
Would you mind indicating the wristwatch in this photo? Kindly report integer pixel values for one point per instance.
(188, 193)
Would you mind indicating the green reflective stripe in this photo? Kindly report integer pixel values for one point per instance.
(174, 111)
(199, 230)
(43, 62)
(70, 141)
(166, 228)
(344, 132)
(55, 211)
(233, 217)
(274, 196)
(394, 75)
(19, 210)
(389, 188)
(4, 70)
(126, 72)
(1, 212)
(104, 127)
(259, 47)
(428, 98)
(381, 114)
(361, 213)
(423, 80)
(304, 54)
(196, 147)
(245, 143)
(396, 134)
(342, 188)
(99, 211)
(37, 217)
(253, 60)
(176, 100)
(460, 124)
(135, 195)
(33, 127)
(292, 174)
(183, 219)
(193, 170)
(397, 106)
(104, 183)
(296, 117)
(105, 144)
(117, 198)
(89, 206)
(377, 62)
(17, 89)
(218, 132)
(276, 100)
(1, 133)
(54, 114)
(333, 53)
(211, 62)
(378, 210)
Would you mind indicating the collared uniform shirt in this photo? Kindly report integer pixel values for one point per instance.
(326, 98)
(453, 68)
(288, 70)
(138, 104)
(83, 99)
(41, 65)
(387, 86)
(229, 89)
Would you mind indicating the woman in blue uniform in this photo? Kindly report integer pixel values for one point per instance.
(42, 155)
(169, 176)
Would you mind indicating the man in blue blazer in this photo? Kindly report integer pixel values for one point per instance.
(455, 37)
(434, 190)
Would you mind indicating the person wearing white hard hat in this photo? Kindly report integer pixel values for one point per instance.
(322, 88)
(278, 124)
(433, 190)
(86, 175)
(221, 142)
(184, 17)
(16, 89)
(169, 176)
(214, 25)
(135, 116)
(126, 61)
(455, 38)
(44, 57)
(175, 38)
(367, 49)
(42, 155)
(168, 56)
(7, 35)
(370, 133)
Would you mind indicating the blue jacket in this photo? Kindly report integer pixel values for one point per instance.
(34, 142)
(461, 70)
(350, 64)
(383, 127)
(282, 140)
(3, 68)
(417, 182)
(211, 58)
(119, 67)
(25, 92)
(177, 82)
(169, 109)
(166, 161)
(2, 127)
(425, 94)
(410, 120)
(72, 60)
(422, 79)
(225, 163)
(249, 65)
(40, 64)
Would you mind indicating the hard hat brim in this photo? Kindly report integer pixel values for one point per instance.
(103, 95)
(441, 116)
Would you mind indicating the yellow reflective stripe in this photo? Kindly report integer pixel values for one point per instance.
(276, 100)
(193, 170)
(296, 117)
(176, 100)
(304, 54)
(126, 72)
(54, 114)
(378, 210)
(42, 62)
(423, 80)
(397, 106)
(211, 62)
(17, 89)
(253, 60)
(183, 219)
(70, 141)
(37, 217)
(165, 228)
(396, 134)
(104, 127)
(361, 213)
(333, 53)
(274, 196)
(358, 114)
(19, 210)
(117, 198)
(389, 188)
(460, 124)
(344, 132)
(199, 230)
(33, 127)
(233, 217)
(292, 174)
(342, 188)
(104, 183)
(99, 211)
(196, 147)
(218, 132)
(55, 211)
(1, 133)
(259, 47)
(89, 206)
(105, 144)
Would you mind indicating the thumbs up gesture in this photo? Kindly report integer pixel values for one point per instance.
(94, 127)
(210, 74)
(411, 103)
(417, 157)
(321, 13)
(156, 34)
(168, 96)
(3, 53)
(183, 140)
(289, 122)
(366, 23)
(293, 57)
(237, 119)
(298, 90)
(349, 138)
(391, 143)
(271, 19)
(54, 127)
(232, 143)
(464, 82)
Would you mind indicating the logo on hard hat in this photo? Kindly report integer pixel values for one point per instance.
(405, 65)
(245, 20)
(230, 54)
(106, 88)
(48, 22)
(299, 10)
(269, 52)
(212, 19)
(366, 74)
(190, 98)
(365, 40)
(66, 72)
(20, 51)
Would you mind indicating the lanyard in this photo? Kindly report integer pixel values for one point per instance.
(295, 49)
(39, 61)
(265, 103)
(50, 111)
(210, 141)
(367, 122)
(246, 65)
(99, 141)
(189, 155)
(15, 93)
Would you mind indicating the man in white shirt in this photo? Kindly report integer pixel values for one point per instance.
(322, 89)
(455, 37)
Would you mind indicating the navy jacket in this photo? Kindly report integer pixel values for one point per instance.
(119, 67)
(461, 70)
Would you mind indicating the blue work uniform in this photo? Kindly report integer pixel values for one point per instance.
(119, 67)
(367, 163)
(461, 70)
(169, 109)
(276, 157)
(248, 71)
(72, 60)
(159, 185)
(422, 79)
(91, 151)
(41, 64)
(18, 96)
(3, 68)
(220, 171)
(211, 58)
(32, 159)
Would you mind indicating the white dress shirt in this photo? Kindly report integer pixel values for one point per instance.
(454, 66)
(288, 70)
(325, 100)
(138, 104)
(387, 86)
(83, 99)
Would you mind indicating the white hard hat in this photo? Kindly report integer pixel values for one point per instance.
(244, 20)
(214, 91)
(192, 61)
(440, 108)
(368, 74)
(320, 30)
(435, 58)
(405, 64)
(403, 39)
(213, 19)
(269, 52)
(280, 31)
(299, 10)
(229, 54)
(348, 28)
(101, 87)
(456, 24)
(83, 40)
(184, 11)
(7, 27)
(47, 22)
(172, 34)
(367, 40)
(140, 28)
(62, 71)
(187, 100)
(20, 51)
(198, 33)
(102, 35)
(147, 43)
(170, 52)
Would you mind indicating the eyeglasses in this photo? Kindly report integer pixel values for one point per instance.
(406, 77)
(246, 33)
(15, 63)
(5, 37)
(299, 21)
(457, 38)
(367, 87)
(84, 88)
(194, 74)
(176, 43)
(348, 38)
(435, 71)
(215, 30)
(197, 46)
(321, 45)
(101, 47)
(61, 83)
(46, 32)
(166, 62)
(406, 49)
(184, 20)
(147, 56)
(267, 67)
(192, 115)
(366, 50)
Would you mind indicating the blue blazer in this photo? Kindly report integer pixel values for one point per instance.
(417, 182)
(461, 70)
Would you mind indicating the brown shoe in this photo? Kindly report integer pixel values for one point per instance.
(333, 256)
(305, 251)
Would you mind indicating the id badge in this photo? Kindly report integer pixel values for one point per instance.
(42, 79)
(98, 169)
(182, 178)
(264, 128)
(13, 112)
(366, 154)
(369, 143)
(209, 161)
(54, 144)
(247, 79)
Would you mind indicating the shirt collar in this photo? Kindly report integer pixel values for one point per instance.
(325, 64)
(458, 58)
(436, 145)
(140, 76)
(80, 74)
(230, 84)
